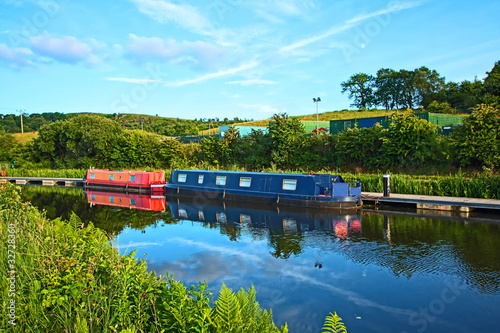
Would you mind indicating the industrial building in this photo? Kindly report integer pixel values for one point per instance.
(445, 122)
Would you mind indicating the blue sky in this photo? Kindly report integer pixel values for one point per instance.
(228, 58)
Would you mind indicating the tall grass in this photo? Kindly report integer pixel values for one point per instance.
(459, 185)
(67, 277)
(49, 173)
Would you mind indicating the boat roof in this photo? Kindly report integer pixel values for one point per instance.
(258, 173)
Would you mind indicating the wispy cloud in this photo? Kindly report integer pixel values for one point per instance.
(219, 74)
(166, 12)
(349, 24)
(202, 55)
(276, 11)
(131, 80)
(16, 58)
(252, 82)
(261, 108)
(313, 39)
(393, 7)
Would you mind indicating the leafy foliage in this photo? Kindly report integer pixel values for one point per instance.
(70, 278)
(334, 324)
(478, 141)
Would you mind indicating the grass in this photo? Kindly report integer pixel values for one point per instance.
(63, 276)
(25, 137)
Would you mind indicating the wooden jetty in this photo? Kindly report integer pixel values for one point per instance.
(457, 204)
(44, 181)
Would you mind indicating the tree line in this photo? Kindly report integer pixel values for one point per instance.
(11, 123)
(423, 88)
(409, 144)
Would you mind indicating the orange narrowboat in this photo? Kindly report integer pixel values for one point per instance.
(130, 181)
(126, 200)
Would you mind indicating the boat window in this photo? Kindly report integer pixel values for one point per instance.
(245, 219)
(245, 181)
(132, 178)
(201, 215)
(221, 180)
(289, 184)
(111, 177)
(132, 202)
(183, 213)
(221, 217)
(200, 179)
(182, 178)
(111, 199)
(92, 176)
(92, 197)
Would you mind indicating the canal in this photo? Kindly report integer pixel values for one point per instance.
(380, 270)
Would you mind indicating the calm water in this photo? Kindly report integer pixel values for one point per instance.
(381, 271)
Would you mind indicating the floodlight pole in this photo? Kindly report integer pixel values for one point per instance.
(317, 100)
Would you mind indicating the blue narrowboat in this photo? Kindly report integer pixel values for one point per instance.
(289, 189)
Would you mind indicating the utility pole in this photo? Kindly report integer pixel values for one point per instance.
(142, 126)
(317, 100)
(21, 112)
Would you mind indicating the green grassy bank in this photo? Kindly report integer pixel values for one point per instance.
(63, 276)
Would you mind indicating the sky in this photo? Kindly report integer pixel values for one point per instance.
(228, 58)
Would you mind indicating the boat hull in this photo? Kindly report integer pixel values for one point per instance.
(268, 198)
(125, 181)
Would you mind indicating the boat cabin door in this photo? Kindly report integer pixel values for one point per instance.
(265, 184)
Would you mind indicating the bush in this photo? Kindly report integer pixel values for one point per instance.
(477, 142)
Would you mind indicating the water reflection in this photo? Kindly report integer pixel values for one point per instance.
(382, 267)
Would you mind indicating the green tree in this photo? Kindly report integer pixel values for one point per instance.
(7, 147)
(410, 141)
(428, 85)
(388, 85)
(287, 137)
(255, 150)
(492, 81)
(477, 142)
(360, 88)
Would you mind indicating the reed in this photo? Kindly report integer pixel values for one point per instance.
(49, 173)
(458, 185)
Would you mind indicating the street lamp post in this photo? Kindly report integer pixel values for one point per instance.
(317, 100)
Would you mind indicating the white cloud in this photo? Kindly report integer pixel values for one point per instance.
(252, 82)
(65, 49)
(16, 58)
(166, 12)
(130, 80)
(221, 73)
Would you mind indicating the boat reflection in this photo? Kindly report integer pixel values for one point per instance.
(284, 220)
(126, 200)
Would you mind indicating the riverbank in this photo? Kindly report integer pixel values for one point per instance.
(63, 276)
